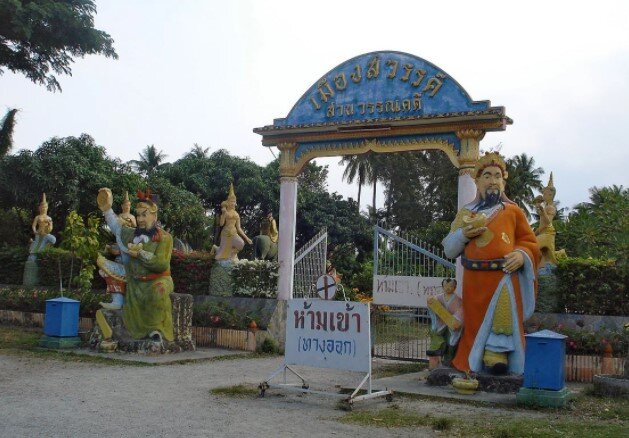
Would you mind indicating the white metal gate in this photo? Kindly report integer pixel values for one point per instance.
(310, 262)
(401, 332)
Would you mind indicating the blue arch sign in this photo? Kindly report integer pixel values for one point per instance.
(381, 86)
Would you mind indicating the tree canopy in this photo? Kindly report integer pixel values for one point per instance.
(42, 37)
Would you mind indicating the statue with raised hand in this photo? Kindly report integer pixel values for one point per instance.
(147, 310)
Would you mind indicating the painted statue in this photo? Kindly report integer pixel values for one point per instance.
(42, 227)
(446, 314)
(546, 209)
(232, 237)
(114, 271)
(126, 217)
(499, 254)
(265, 244)
(147, 309)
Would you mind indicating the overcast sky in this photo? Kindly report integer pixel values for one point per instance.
(208, 72)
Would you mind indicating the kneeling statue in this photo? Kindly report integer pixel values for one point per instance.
(147, 308)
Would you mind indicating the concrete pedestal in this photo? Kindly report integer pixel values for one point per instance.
(543, 397)
(60, 342)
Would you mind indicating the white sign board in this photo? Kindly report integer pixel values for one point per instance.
(328, 334)
(395, 290)
(326, 287)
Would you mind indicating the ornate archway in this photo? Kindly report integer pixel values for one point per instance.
(381, 102)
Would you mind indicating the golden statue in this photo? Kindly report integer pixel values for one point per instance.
(545, 232)
(42, 224)
(232, 237)
(42, 227)
(127, 219)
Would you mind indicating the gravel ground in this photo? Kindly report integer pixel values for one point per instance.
(44, 397)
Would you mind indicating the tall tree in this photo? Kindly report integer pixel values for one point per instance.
(37, 36)
(357, 168)
(600, 227)
(150, 160)
(6, 132)
(523, 178)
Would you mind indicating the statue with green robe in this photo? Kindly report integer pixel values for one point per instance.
(147, 308)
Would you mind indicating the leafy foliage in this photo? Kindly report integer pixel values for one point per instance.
(255, 278)
(592, 286)
(191, 272)
(81, 239)
(599, 228)
(34, 299)
(523, 179)
(37, 36)
(12, 261)
(6, 132)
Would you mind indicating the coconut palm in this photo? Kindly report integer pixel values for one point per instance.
(524, 177)
(6, 132)
(198, 151)
(357, 168)
(150, 160)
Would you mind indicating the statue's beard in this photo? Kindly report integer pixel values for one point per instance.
(491, 199)
(150, 232)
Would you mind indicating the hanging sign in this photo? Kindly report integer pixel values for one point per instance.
(328, 334)
(326, 287)
(396, 290)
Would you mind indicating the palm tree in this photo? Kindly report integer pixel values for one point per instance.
(150, 160)
(6, 132)
(198, 151)
(524, 177)
(357, 169)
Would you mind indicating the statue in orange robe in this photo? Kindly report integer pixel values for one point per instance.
(499, 254)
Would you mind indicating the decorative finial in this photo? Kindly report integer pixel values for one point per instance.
(43, 199)
(231, 195)
(126, 198)
(550, 181)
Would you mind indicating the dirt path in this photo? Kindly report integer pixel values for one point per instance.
(72, 399)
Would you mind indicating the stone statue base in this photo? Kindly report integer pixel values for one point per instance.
(509, 384)
(221, 284)
(121, 340)
(31, 273)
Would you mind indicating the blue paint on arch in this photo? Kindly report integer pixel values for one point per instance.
(402, 86)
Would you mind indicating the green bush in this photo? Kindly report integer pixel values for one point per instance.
(34, 300)
(219, 314)
(255, 278)
(592, 286)
(55, 263)
(191, 272)
(12, 259)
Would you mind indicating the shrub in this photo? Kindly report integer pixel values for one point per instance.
(191, 272)
(255, 278)
(34, 300)
(592, 286)
(12, 259)
(220, 314)
(269, 346)
(56, 264)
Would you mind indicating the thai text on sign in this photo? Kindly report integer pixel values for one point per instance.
(396, 290)
(328, 334)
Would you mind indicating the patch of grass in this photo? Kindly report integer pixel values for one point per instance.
(387, 418)
(395, 369)
(394, 329)
(442, 423)
(557, 424)
(598, 407)
(501, 427)
(24, 342)
(240, 390)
